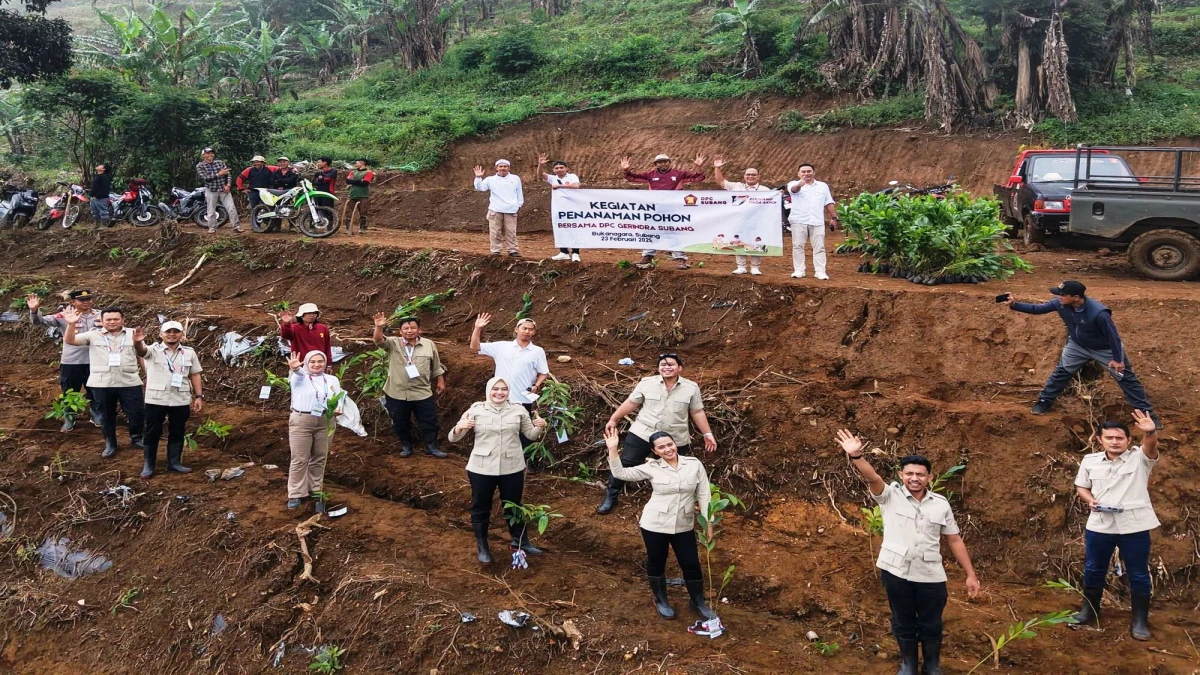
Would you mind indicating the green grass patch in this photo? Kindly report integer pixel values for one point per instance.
(890, 111)
(1156, 110)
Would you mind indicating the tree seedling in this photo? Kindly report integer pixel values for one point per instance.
(328, 659)
(69, 402)
(125, 600)
(709, 531)
(1064, 585)
(1023, 631)
(872, 520)
(826, 648)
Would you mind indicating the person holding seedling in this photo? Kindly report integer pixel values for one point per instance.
(497, 461)
(316, 403)
(73, 368)
(173, 392)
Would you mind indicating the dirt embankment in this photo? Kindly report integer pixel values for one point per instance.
(940, 371)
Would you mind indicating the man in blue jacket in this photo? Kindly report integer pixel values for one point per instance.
(1091, 336)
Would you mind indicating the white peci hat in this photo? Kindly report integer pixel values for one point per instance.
(171, 325)
(662, 158)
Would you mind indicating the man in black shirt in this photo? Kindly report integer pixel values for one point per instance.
(98, 196)
(285, 177)
(325, 180)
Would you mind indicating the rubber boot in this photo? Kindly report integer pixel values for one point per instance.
(522, 542)
(1139, 624)
(481, 542)
(908, 657)
(658, 589)
(110, 446)
(136, 441)
(95, 413)
(175, 458)
(148, 459)
(68, 422)
(695, 589)
(432, 450)
(1089, 613)
(931, 653)
(610, 500)
(406, 450)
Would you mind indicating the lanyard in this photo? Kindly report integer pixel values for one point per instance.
(408, 351)
(108, 345)
(324, 385)
(171, 361)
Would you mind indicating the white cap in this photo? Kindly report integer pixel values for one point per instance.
(307, 308)
(172, 325)
(662, 158)
(503, 161)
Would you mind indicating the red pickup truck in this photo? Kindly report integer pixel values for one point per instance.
(1036, 199)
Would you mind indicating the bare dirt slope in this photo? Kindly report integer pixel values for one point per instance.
(782, 364)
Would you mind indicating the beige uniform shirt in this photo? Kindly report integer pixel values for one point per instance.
(665, 411)
(161, 366)
(912, 533)
(672, 506)
(497, 450)
(100, 345)
(1122, 482)
(429, 366)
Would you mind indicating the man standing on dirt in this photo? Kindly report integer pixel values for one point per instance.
(307, 334)
(519, 362)
(560, 178)
(257, 175)
(413, 363)
(662, 177)
(1114, 485)
(1091, 336)
(99, 194)
(667, 401)
(173, 392)
(325, 180)
(751, 184)
(73, 367)
(505, 199)
(215, 175)
(915, 519)
(113, 372)
(359, 180)
(812, 203)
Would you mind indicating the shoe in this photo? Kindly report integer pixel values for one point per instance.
(492, 253)
(647, 262)
(561, 256)
(148, 460)
(406, 451)
(137, 442)
(798, 275)
(523, 544)
(682, 265)
(1089, 614)
(432, 451)
(610, 501)
(1041, 407)
(822, 276)
(1139, 624)
(931, 655)
(238, 230)
(175, 458)
(1158, 425)
(293, 503)
(575, 257)
(68, 422)
(755, 271)
(514, 254)
(110, 448)
(658, 590)
(908, 657)
(481, 543)
(739, 270)
(695, 589)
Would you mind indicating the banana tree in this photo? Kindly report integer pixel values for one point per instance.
(323, 47)
(262, 60)
(740, 18)
(14, 122)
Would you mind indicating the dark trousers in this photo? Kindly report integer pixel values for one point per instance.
(402, 412)
(73, 377)
(568, 250)
(686, 553)
(483, 488)
(1135, 554)
(634, 453)
(324, 201)
(131, 402)
(1075, 357)
(916, 607)
(176, 417)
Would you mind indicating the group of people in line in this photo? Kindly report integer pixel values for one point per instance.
(104, 357)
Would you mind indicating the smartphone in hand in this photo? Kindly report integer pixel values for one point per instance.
(1003, 297)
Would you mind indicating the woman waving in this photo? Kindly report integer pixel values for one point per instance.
(310, 428)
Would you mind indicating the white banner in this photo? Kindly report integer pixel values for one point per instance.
(702, 221)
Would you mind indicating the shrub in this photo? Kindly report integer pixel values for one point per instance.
(515, 52)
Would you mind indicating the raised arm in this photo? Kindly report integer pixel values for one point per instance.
(612, 441)
(35, 313)
(854, 452)
(1047, 307)
(483, 320)
(139, 342)
(380, 320)
(1149, 429)
(71, 316)
(480, 185)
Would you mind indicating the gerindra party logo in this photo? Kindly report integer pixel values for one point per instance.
(689, 200)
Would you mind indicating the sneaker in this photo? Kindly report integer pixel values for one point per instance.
(515, 254)
(822, 276)
(739, 270)
(683, 265)
(755, 271)
(492, 253)
(798, 275)
(575, 257)
(561, 256)
(1041, 407)
(293, 504)
(647, 262)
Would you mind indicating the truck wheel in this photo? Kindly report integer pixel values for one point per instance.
(1032, 231)
(1165, 255)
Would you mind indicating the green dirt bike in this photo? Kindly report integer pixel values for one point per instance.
(298, 206)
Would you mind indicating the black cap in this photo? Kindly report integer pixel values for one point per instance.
(1069, 287)
(81, 295)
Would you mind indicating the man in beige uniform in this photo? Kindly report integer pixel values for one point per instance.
(751, 184)
(113, 365)
(667, 401)
(173, 392)
(413, 364)
(910, 559)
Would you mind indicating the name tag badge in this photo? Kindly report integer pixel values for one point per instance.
(318, 409)
(412, 371)
(114, 360)
(176, 380)
(265, 392)
(562, 435)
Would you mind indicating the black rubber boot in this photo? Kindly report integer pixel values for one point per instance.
(406, 450)
(1139, 625)
(1089, 613)
(610, 500)
(148, 459)
(68, 422)
(908, 657)
(96, 415)
(110, 446)
(522, 542)
(136, 441)
(695, 589)
(931, 654)
(432, 451)
(658, 589)
(175, 458)
(481, 542)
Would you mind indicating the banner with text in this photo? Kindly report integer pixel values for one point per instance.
(703, 221)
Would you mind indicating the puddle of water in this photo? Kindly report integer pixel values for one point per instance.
(59, 558)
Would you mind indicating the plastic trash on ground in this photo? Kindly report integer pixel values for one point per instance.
(468, 617)
(625, 362)
(351, 417)
(710, 629)
(520, 561)
(57, 557)
(514, 619)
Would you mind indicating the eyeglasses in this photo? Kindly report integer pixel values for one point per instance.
(671, 355)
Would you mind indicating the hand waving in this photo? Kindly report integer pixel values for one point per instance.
(287, 316)
(380, 319)
(625, 163)
(483, 320)
(543, 157)
(478, 171)
(293, 362)
(1144, 422)
(849, 442)
(718, 162)
(139, 335)
(699, 161)
(70, 315)
(33, 302)
(612, 439)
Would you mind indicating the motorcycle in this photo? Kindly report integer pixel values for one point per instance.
(190, 205)
(297, 206)
(17, 206)
(66, 206)
(136, 205)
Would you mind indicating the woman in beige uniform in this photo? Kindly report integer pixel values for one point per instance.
(669, 519)
(497, 460)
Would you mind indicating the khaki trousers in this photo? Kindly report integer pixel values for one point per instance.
(309, 439)
(502, 231)
(802, 234)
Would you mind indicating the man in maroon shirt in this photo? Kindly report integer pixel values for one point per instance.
(306, 335)
(663, 177)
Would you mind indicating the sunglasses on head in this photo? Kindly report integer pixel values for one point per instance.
(672, 355)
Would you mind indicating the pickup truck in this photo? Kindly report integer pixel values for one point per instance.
(1036, 199)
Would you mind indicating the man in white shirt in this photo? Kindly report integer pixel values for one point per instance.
(811, 204)
(521, 363)
(561, 178)
(1114, 484)
(751, 184)
(505, 200)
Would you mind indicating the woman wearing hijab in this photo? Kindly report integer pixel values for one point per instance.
(310, 427)
(497, 460)
(669, 518)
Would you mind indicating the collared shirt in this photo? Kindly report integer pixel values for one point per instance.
(71, 354)
(100, 344)
(161, 365)
(567, 179)
(808, 204)
(498, 429)
(912, 533)
(1122, 482)
(671, 179)
(506, 195)
(664, 410)
(742, 187)
(303, 338)
(677, 490)
(424, 355)
(312, 392)
(519, 366)
(208, 173)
